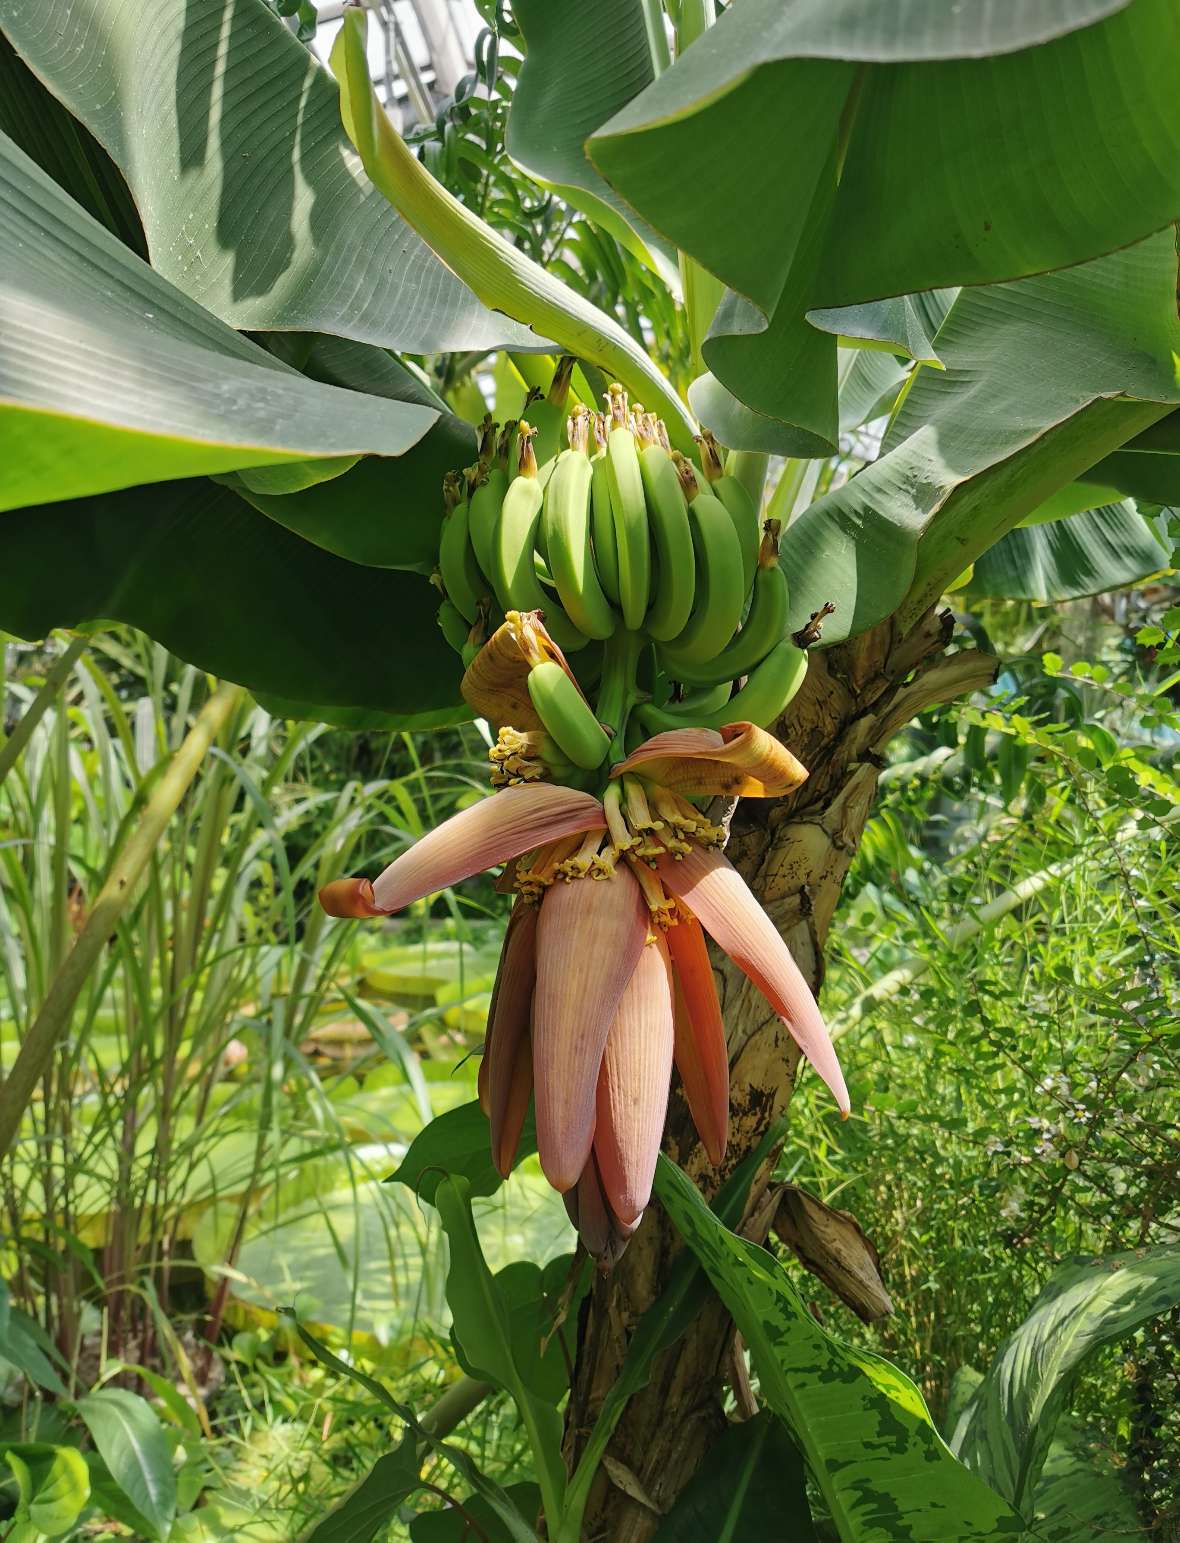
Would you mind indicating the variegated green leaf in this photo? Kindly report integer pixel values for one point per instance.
(1006, 1429)
(883, 1470)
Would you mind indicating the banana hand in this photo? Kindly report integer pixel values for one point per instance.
(632, 538)
(764, 627)
(565, 523)
(720, 581)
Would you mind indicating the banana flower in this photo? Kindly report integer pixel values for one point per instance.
(604, 980)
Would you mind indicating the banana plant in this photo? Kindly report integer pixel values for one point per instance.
(220, 264)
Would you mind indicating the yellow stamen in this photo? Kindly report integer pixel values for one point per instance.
(661, 906)
(620, 836)
(579, 865)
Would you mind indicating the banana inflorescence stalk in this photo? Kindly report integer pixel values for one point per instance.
(585, 534)
(591, 520)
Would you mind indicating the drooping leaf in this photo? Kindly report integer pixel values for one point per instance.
(1082, 1495)
(530, 1297)
(35, 120)
(498, 272)
(843, 132)
(226, 588)
(383, 512)
(1152, 475)
(1005, 1431)
(457, 1142)
(53, 1486)
(750, 1485)
(582, 65)
(1040, 378)
(482, 1328)
(451, 1525)
(862, 1426)
(110, 377)
(20, 1346)
(1087, 554)
(228, 133)
(372, 1503)
(133, 1445)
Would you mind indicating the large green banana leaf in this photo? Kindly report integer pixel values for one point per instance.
(1086, 554)
(34, 119)
(1041, 378)
(854, 151)
(228, 133)
(583, 63)
(111, 377)
(221, 585)
(884, 1472)
(1006, 1429)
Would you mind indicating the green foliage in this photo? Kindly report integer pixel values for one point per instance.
(816, 122)
(1006, 1430)
(753, 1485)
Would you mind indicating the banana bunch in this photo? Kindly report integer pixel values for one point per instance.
(606, 530)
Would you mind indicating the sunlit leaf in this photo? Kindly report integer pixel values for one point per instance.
(821, 155)
(1005, 1432)
(228, 132)
(861, 1424)
(1086, 554)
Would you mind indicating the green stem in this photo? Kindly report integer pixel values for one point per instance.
(501, 276)
(791, 483)
(657, 38)
(617, 690)
(691, 18)
(113, 898)
(749, 467)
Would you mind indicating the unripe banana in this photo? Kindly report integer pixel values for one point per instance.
(632, 538)
(760, 701)
(567, 715)
(709, 700)
(720, 581)
(486, 499)
(514, 568)
(602, 518)
(453, 625)
(674, 585)
(548, 415)
(738, 503)
(565, 524)
(462, 580)
(764, 627)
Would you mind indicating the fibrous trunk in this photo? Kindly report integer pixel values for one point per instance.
(794, 854)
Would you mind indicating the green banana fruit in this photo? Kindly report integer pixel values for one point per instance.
(764, 627)
(514, 572)
(486, 498)
(632, 538)
(709, 700)
(674, 585)
(548, 414)
(462, 579)
(738, 503)
(567, 715)
(602, 519)
(760, 701)
(454, 625)
(720, 582)
(565, 524)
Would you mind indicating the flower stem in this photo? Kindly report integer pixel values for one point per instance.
(617, 691)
